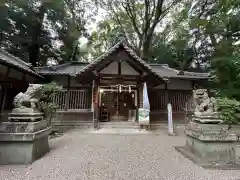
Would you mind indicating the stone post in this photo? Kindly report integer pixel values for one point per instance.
(170, 122)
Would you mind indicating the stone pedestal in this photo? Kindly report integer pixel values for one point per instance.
(23, 142)
(212, 143)
(211, 146)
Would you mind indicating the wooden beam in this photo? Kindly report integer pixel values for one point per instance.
(110, 79)
(68, 80)
(134, 66)
(118, 76)
(119, 67)
(106, 64)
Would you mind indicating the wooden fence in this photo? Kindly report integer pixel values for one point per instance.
(73, 99)
(181, 100)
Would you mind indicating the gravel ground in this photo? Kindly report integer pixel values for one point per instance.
(79, 156)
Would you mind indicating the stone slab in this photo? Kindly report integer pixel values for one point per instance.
(23, 137)
(22, 127)
(118, 131)
(23, 152)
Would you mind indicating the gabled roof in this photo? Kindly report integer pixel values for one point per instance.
(10, 60)
(130, 52)
(167, 72)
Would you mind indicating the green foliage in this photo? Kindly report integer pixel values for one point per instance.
(226, 71)
(36, 30)
(229, 108)
(47, 105)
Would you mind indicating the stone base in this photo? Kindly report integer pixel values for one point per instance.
(210, 145)
(23, 148)
(211, 152)
(195, 158)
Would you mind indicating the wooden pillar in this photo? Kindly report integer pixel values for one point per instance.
(67, 94)
(92, 101)
(139, 97)
(167, 93)
(3, 96)
(95, 104)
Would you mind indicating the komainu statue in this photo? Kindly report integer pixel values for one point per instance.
(28, 102)
(204, 106)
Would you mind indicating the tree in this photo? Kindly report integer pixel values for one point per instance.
(36, 30)
(24, 20)
(138, 20)
(71, 24)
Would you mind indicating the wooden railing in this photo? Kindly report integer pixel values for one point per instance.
(180, 100)
(60, 99)
(73, 99)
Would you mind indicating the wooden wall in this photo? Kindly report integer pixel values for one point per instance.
(181, 100)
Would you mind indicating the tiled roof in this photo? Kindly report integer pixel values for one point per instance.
(9, 59)
(70, 68)
(167, 72)
(162, 71)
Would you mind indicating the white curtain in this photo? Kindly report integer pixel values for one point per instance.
(146, 104)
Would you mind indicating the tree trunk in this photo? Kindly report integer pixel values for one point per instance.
(34, 47)
(145, 47)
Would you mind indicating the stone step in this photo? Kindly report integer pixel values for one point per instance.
(119, 131)
(120, 125)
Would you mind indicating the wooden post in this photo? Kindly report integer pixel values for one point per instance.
(4, 97)
(95, 104)
(1, 97)
(92, 105)
(67, 94)
(139, 98)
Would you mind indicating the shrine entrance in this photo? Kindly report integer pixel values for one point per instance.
(118, 103)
